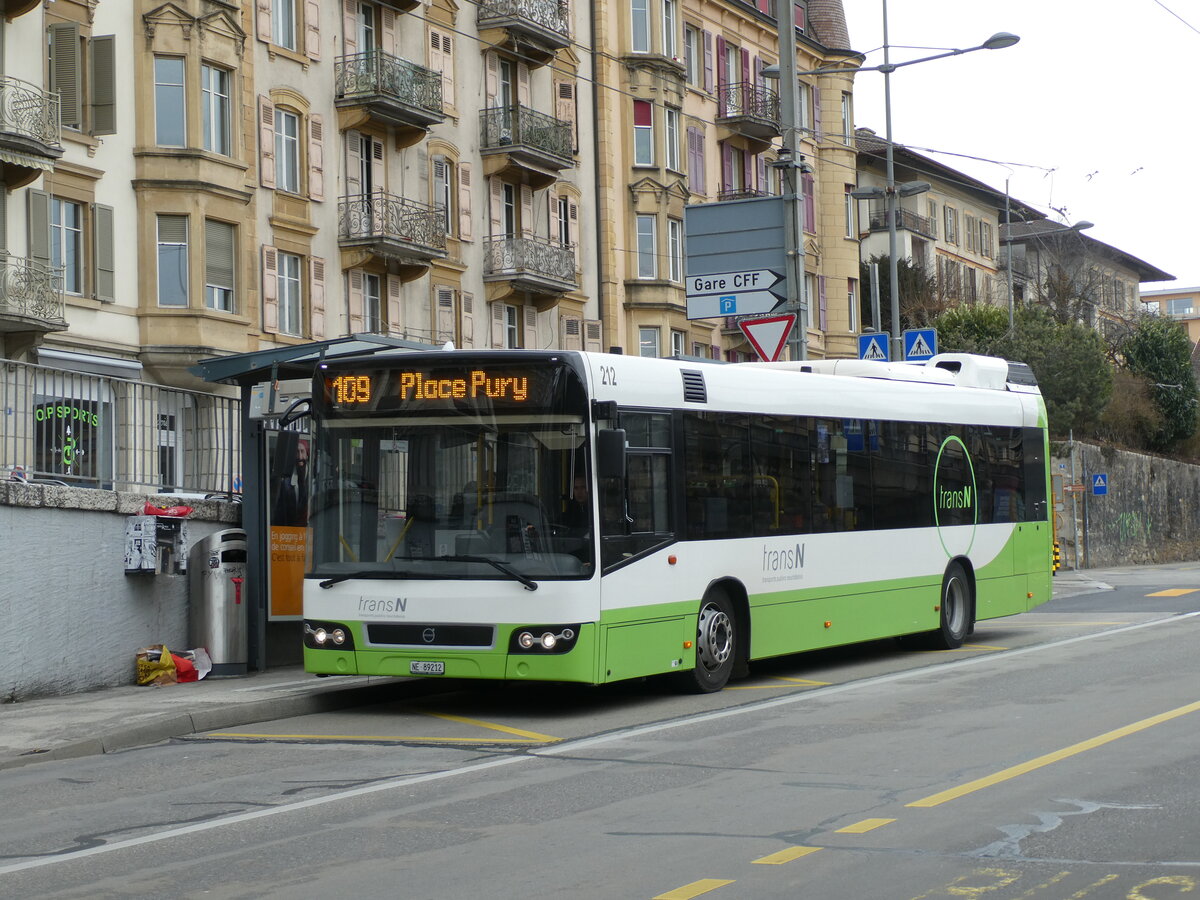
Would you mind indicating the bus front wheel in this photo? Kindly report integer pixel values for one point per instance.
(955, 621)
(716, 645)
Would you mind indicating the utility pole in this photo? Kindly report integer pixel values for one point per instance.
(790, 162)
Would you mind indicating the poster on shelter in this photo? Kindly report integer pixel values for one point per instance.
(287, 498)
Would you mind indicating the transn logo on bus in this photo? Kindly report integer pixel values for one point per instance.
(783, 560)
(379, 605)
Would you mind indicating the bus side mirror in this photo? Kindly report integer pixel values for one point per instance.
(610, 453)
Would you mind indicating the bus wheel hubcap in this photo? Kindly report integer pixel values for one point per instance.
(715, 637)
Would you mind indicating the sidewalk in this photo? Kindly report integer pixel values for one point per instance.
(117, 718)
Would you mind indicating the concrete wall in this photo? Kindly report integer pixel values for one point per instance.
(1151, 513)
(70, 618)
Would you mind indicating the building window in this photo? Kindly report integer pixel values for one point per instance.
(671, 129)
(805, 102)
(66, 242)
(933, 219)
(288, 282)
(218, 265)
(172, 260)
(283, 23)
(985, 239)
(643, 133)
(647, 258)
(443, 187)
(170, 110)
(678, 343)
(692, 57)
(951, 215)
(508, 210)
(372, 304)
(214, 84)
(563, 221)
(670, 28)
(641, 26)
(675, 248)
(287, 151)
(82, 75)
(847, 118)
(852, 303)
(851, 213)
(512, 326)
(648, 342)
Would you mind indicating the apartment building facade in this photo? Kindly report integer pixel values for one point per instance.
(686, 116)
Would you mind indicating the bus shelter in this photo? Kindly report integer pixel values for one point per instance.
(274, 386)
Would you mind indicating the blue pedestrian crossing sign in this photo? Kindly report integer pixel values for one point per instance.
(920, 344)
(1100, 483)
(873, 346)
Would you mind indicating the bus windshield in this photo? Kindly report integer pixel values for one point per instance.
(452, 487)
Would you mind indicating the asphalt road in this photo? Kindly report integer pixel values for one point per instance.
(1053, 757)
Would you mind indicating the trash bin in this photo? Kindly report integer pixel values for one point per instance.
(216, 594)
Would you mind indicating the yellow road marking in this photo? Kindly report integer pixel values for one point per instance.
(528, 735)
(1057, 756)
(695, 889)
(864, 826)
(761, 686)
(1174, 592)
(1055, 624)
(784, 856)
(399, 739)
(968, 648)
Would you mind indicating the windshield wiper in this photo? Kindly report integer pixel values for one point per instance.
(530, 584)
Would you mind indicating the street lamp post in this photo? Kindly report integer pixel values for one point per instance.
(997, 41)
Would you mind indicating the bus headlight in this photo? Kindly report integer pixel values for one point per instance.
(327, 636)
(543, 639)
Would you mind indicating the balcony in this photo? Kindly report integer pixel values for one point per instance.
(10, 9)
(392, 91)
(29, 126)
(31, 297)
(905, 219)
(741, 194)
(533, 30)
(525, 145)
(543, 268)
(392, 229)
(749, 110)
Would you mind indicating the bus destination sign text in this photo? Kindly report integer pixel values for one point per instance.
(477, 384)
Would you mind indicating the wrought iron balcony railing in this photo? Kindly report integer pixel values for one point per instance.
(552, 15)
(533, 256)
(384, 217)
(29, 111)
(741, 194)
(510, 126)
(376, 73)
(32, 290)
(745, 99)
(904, 219)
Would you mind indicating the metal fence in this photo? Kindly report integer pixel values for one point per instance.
(83, 430)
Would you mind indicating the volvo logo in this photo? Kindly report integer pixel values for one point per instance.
(428, 635)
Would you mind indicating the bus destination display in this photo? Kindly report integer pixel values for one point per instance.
(438, 388)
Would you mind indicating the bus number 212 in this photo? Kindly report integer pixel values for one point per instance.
(608, 375)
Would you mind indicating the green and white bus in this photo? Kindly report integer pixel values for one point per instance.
(582, 517)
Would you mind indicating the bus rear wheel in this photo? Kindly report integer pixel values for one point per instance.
(716, 645)
(956, 619)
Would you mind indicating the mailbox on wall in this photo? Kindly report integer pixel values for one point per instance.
(155, 545)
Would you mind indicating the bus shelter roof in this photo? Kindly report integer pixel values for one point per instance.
(298, 361)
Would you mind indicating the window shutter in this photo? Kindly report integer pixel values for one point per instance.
(747, 171)
(439, 183)
(761, 160)
(697, 174)
(316, 157)
(104, 89)
(395, 309)
(468, 321)
(493, 78)
(445, 314)
(708, 61)
(810, 217)
(824, 313)
(721, 51)
(816, 106)
(447, 70)
(218, 253)
(531, 339)
(355, 299)
(570, 332)
(65, 72)
(573, 228)
(353, 163)
(3, 221)
(799, 13)
(464, 201)
(387, 23)
(745, 73)
(565, 108)
(316, 268)
(523, 84)
(39, 226)
(591, 335)
(726, 166)
(312, 29)
(378, 175)
(496, 211)
(526, 210)
(350, 27)
(103, 268)
(270, 289)
(262, 18)
(497, 324)
(266, 141)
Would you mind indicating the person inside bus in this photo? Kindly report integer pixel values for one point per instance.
(577, 517)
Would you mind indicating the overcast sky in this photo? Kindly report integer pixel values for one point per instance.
(1094, 112)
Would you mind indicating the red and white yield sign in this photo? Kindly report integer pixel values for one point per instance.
(768, 335)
